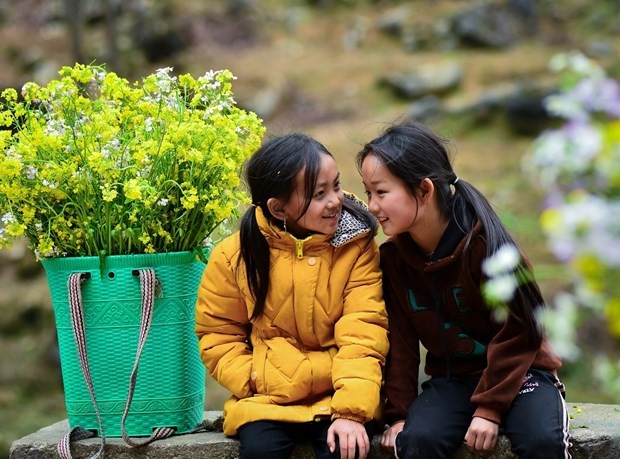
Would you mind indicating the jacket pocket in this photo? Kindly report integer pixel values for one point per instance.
(288, 375)
(288, 372)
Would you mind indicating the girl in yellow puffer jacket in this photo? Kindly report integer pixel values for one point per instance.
(290, 313)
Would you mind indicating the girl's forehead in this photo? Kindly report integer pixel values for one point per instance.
(327, 163)
(374, 166)
(326, 172)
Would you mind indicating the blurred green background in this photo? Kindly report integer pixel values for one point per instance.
(338, 70)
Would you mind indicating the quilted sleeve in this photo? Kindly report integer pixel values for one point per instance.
(222, 325)
(361, 337)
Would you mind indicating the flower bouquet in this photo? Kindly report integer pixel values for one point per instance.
(92, 165)
(116, 187)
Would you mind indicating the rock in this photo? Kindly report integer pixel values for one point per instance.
(486, 26)
(429, 80)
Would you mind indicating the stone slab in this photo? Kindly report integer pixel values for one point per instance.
(595, 431)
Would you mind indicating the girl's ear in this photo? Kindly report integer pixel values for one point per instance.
(426, 189)
(276, 208)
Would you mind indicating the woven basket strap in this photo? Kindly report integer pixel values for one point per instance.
(75, 434)
(79, 334)
(148, 283)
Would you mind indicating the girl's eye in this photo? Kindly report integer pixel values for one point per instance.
(319, 194)
(337, 186)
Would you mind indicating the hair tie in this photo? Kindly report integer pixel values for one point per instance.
(455, 180)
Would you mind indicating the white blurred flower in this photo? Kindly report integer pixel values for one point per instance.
(164, 80)
(598, 95)
(500, 289)
(8, 218)
(586, 225)
(500, 314)
(31, 172)
(207, 242)
(607, 372)
(503, 261)
(574, 61)
(563, 154)
(560, 325)
(565, 106)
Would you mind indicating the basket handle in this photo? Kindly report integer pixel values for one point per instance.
(148, 284)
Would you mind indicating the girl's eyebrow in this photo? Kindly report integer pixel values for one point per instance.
(375, 182)
(323, 183)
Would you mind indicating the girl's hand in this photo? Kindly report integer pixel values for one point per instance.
(389, 435)
(481, 435)
(350, 434)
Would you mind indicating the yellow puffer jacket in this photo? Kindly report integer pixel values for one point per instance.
(319, 348)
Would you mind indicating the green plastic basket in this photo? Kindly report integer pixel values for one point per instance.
(170, 387)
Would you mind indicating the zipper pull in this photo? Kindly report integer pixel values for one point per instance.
(299, 245)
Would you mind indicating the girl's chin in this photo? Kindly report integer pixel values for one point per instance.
(331, 225)
(386, 228)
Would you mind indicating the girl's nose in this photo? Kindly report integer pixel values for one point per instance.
(372, 206)
(333, 200)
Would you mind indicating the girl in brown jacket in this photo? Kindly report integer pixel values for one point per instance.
(487, 373)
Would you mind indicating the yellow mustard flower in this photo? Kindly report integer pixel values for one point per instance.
(108, 194)
(132, 189)
(97, 164)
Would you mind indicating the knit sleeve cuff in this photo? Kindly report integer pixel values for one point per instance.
(349, 416)
(488, 414)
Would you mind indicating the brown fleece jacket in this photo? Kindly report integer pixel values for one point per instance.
(438, 303)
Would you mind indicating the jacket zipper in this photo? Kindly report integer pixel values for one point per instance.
(435, 294)
(299, 246)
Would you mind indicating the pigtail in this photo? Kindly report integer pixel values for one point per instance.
(255, 256)
(468, 206)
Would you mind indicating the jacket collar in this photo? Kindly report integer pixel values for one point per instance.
(349, 226)
(451, 245)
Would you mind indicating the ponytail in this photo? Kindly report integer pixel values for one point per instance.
(468, 206)
(255, 255)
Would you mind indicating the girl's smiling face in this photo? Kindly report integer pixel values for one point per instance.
(389, 199)
(323, 214)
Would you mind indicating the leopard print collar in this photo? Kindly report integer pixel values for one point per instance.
(349, 227)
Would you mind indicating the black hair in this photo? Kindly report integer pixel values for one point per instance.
(413, 152)
(272, 172)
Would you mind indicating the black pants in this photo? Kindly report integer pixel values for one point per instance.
(276, 440)
(536, 424)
